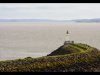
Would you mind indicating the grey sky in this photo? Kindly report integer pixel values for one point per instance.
(59, 11)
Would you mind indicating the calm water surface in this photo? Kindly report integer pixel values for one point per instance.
(20, 40)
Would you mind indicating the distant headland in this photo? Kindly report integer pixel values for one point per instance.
(96, 20)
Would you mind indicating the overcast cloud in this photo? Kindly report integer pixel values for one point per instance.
(58, 11)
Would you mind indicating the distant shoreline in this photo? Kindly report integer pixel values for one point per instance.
(95, 20)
